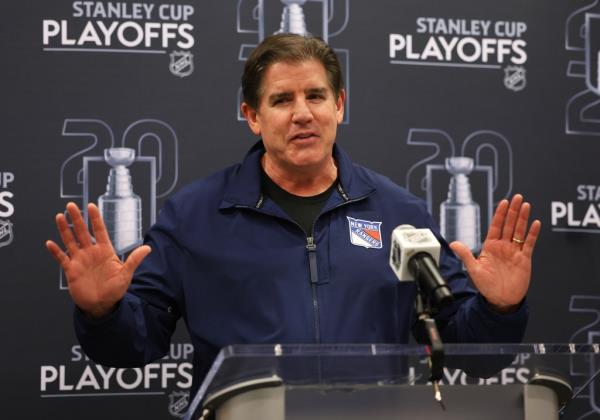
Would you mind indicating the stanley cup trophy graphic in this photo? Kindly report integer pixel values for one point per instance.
(459, 214)
(292, 18)
(119, 206)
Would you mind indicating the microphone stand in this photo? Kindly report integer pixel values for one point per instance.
(435, 348)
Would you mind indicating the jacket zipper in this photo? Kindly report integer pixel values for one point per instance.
(311, 249)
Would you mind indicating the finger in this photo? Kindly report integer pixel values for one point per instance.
(135, 258)
(58, 254)
(531, 239)
(66, 235)
(495, 230)
(81, 231)
(521, 226)
(464, 253)
(511, 217)
(98, 226)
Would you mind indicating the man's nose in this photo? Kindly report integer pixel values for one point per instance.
(302, 113)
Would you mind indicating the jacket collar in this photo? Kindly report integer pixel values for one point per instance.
(244, 187)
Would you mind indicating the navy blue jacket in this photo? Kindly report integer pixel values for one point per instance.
(236, 268)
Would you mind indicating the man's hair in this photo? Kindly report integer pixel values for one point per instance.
(288, 48)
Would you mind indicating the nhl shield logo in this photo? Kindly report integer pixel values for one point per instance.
(365, 233)
(178, 403)
(514, 78)
(182, 63)
(6, 233)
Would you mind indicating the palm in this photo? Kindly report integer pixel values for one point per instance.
(503, 269)
(502, 273)
(96, 274)
(97, 278)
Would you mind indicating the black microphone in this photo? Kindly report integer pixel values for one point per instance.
(414, 256)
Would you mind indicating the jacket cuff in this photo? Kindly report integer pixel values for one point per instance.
(517, 316)
(84, 323)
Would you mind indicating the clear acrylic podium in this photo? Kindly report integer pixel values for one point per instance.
(380, 381)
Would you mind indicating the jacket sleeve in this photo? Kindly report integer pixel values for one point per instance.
(139, 330)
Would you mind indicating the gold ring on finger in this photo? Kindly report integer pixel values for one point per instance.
(518, 241)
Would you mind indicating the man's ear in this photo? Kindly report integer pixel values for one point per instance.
(339, 104)
(251, 116)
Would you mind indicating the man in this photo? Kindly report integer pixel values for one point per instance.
(261, 251)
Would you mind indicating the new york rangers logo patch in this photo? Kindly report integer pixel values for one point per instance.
(365, 233)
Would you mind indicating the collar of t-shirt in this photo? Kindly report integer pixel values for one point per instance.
(302, 210)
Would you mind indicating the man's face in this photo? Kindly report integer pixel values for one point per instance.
(297, 117)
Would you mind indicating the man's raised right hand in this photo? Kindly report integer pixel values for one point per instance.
(97, 278)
